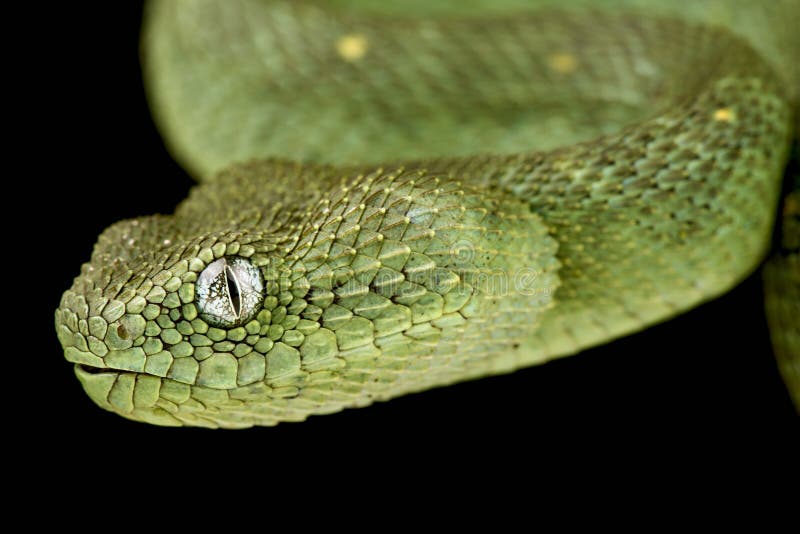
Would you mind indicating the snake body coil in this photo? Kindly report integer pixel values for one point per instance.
(445, 196)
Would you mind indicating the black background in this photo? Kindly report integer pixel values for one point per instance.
(702, 386)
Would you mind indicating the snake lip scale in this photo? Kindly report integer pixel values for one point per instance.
(391, 202)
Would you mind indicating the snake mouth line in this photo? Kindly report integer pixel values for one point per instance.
(90, 369)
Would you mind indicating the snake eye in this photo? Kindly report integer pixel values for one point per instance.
(229, 292)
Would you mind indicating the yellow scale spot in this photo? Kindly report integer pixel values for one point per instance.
(563, 62)
(724, 115)
(352, 47)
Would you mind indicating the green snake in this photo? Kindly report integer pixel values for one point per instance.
(397, 196)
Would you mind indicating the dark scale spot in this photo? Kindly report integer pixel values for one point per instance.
(122, 332)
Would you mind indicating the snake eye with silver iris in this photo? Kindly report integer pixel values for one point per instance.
(229, 292)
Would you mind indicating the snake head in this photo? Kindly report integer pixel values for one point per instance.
(278, 290)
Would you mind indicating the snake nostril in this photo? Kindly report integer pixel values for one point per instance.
(122, 332)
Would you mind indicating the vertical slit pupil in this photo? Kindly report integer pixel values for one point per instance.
(233, 291)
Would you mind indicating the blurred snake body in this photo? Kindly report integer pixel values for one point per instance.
(401, 195)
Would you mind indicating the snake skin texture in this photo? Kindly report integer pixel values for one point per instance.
(433, 195)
